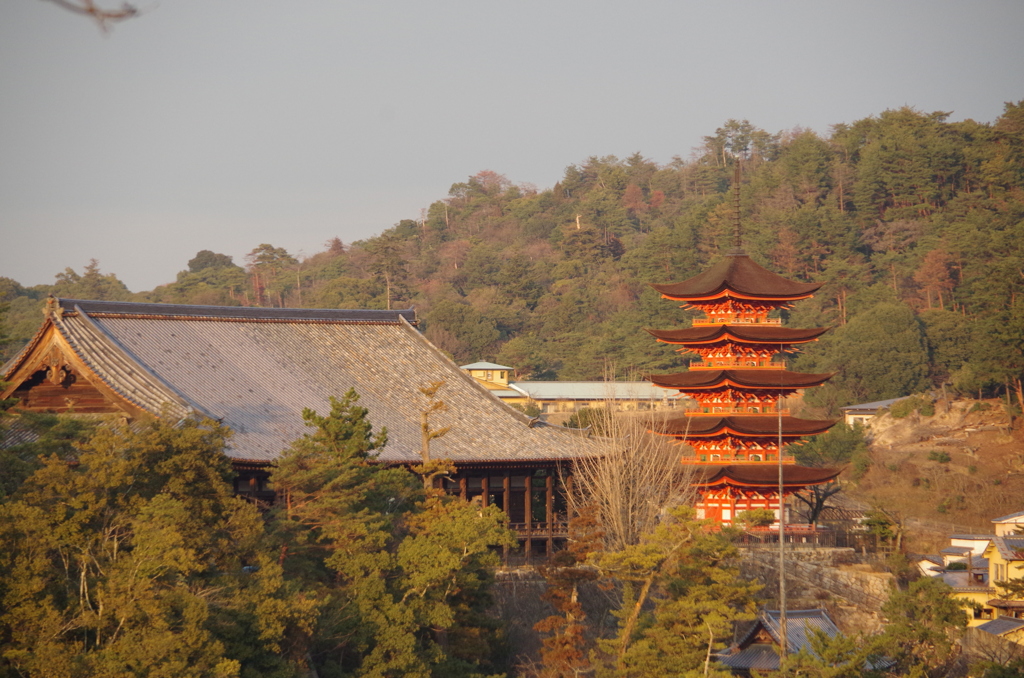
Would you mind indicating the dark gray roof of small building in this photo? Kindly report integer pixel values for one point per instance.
(799, 626)
(1008, 517)
(1001, 625)
(256, 369)
(867, 408)
(1010, 548)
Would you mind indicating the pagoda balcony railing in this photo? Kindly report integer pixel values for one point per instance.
(734, 459)
(738, 321)
(713, 411)
(739, 365)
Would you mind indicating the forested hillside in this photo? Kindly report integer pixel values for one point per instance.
(915, 225)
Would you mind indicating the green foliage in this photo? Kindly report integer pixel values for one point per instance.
(205, 259)
(404, 577)
(131, 559)
(1015, 669)
(840, 445)
(923, 623)
(593, 418)
(879, 354)
(690, 576)
(755, 517)
(922, 404)
(50, 435)
(939, 456)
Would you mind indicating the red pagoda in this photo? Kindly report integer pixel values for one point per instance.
(738, 428)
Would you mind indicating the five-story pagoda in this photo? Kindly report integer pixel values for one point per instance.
(738, 428)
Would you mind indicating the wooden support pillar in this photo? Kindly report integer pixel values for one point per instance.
(506, 501)
(463, 486)
(528, 494)
(567, 491)
(485, 489)
(549, 510)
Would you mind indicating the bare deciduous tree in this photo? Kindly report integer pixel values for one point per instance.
(630, 475)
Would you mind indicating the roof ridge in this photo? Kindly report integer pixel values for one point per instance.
(106, 308)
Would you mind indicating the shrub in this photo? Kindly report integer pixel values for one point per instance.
(957, 566)
(861, 464)
(939, 456)
(922, 404)
(980, 407)
(756, 517)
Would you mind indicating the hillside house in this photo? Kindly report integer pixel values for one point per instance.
(863, 413)
(1008, 525)
(558, 400)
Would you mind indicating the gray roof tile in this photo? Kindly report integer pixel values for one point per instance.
(256, 374)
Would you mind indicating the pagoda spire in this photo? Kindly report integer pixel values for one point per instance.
(737, 229)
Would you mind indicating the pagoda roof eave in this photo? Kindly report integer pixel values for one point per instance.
(737, 275)
(751, 379)
(750, 425)
(764, 475)
(750, 334)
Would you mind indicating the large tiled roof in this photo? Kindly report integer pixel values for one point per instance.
(737, 273)
(256, 369)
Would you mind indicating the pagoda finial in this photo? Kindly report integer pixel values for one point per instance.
(738, 232)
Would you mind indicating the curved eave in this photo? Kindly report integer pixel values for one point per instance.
(739, 276)
(739, 334)
(751, 426)
(729, 293)
(765, 476)
(699, 380)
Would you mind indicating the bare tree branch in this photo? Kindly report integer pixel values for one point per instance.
(102, 16)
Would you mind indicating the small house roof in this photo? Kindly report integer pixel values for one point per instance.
(800, 624)
(588, 390)
(484, 366)
(1010, 548)
(870, 408)
(1002, 625)
(1010, 518)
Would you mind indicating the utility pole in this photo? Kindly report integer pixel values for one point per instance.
(782, 534)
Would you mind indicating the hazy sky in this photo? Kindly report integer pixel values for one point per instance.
(223, 124)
